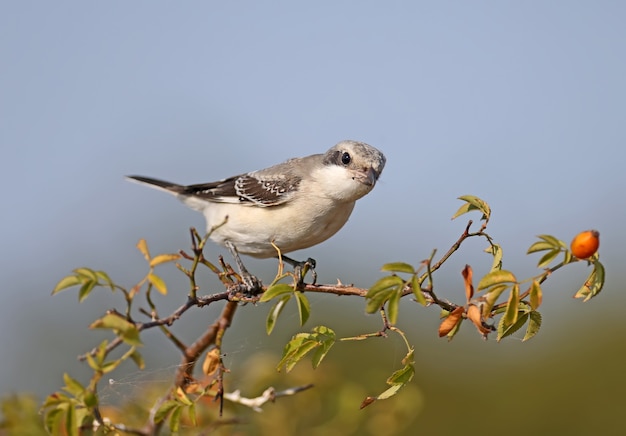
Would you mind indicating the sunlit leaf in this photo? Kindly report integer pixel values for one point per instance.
(73, 386)
(473, 203)
(402, 376)
(510, 315)
(66, 282)
(505, 330)
(534, 324)
(87, 273)
(555, 242)
(163, 258)
(491, 297)
(122, 327)
(384, 284)
(275, 291)
(158, 283)
(540, 246)
(496, 251)
(535, 295)
(211, 361)
(104, 277)
(495, 278)
(594, 283)
(399, 267)
(85, 290)
(142, 246)
(547, 258)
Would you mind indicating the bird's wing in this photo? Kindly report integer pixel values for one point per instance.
(255, 188)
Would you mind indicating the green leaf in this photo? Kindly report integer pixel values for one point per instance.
(163, 410)
(534, 324)
(175, 419)
(73, 386)
(510, 315)
(594, 283)
(328, 339)
(85, 290)
(547, 258)
(304, 308)
(302, 343)
(399, 267)
(104, 277)
(554, 242)
(122, 327)
(473, 203)
(138, 359)
(158, 283)
(402, 376)
(385, 284)
(393, 306)
(417, 291)
(273, 314)
(87, 273)
(390, 392)
(71, 425)
(505, 330)
(491, 297)
(540, 246)
(275, 291)
(66, 282)
(382, 291)
(496, 277)
(91, 399)
(496, 251)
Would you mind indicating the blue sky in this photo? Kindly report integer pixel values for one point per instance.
(520, 103)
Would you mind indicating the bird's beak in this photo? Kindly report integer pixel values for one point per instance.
(368, 177)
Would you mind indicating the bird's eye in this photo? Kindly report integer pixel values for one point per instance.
(345, 158)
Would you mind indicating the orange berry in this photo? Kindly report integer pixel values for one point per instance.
(585, 244)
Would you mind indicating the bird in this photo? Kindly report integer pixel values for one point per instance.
(290, 206)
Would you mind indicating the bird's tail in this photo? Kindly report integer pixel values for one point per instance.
(169, 187)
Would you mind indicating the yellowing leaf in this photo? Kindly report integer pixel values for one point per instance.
(158, 283)
(211, 361)
(163, 258)
(535, 295)
(474, 315)
(142, 246)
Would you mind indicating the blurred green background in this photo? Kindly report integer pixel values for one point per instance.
(520, 103)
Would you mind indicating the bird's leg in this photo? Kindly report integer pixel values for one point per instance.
(252, 285)
(301, 268)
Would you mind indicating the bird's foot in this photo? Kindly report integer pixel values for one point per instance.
(249, 285)
(301, 268)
